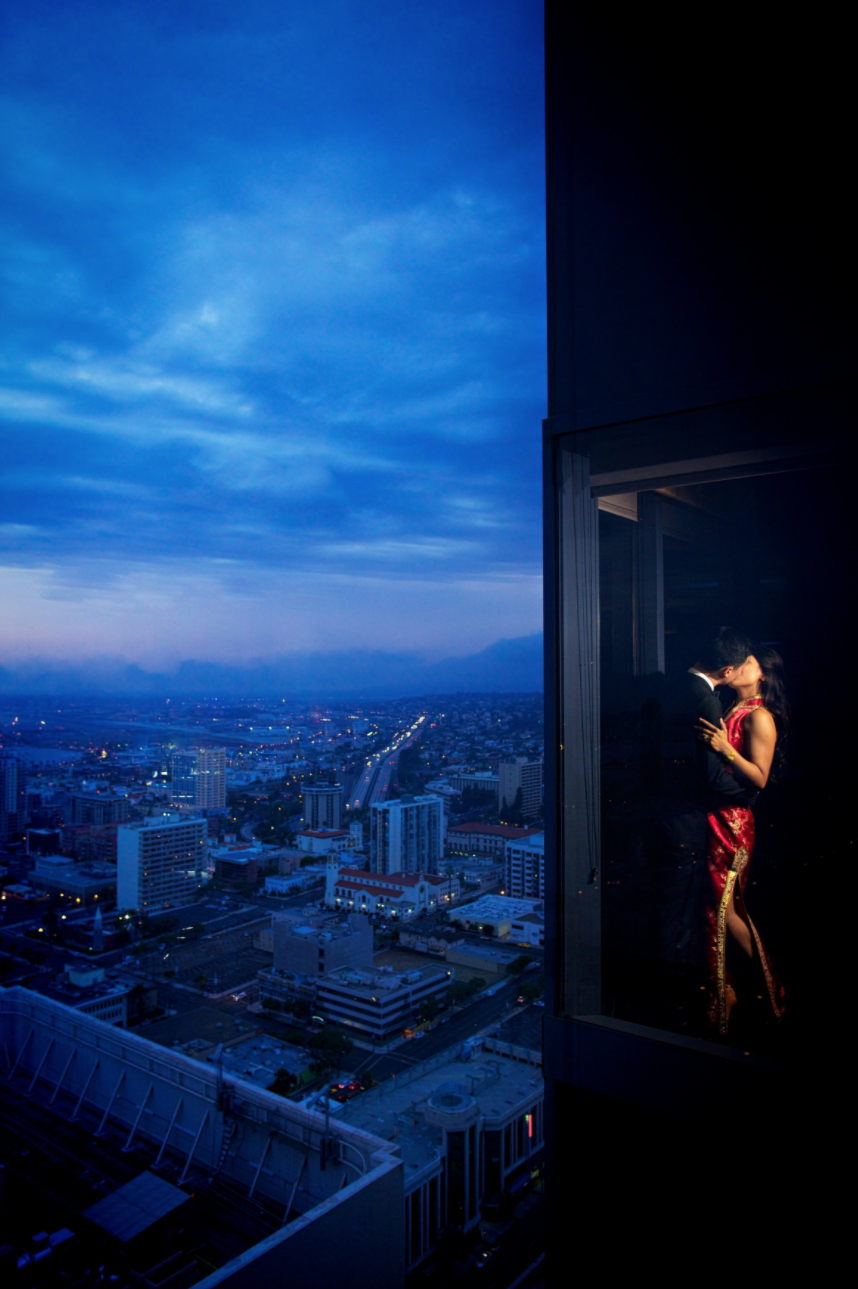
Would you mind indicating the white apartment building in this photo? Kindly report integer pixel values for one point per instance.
(321, 805)
(199, 778)
(524, 876)
(407, 835)
(160, 863)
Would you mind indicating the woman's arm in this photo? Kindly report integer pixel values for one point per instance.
(755, 760)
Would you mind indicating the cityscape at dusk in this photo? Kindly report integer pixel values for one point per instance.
(320, 903)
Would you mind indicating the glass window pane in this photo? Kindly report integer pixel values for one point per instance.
(699, 862)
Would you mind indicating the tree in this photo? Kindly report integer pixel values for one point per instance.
(478, 799)
(518, 965)
(458, 992)
(430, 1007)
(332, 1047)
(298, 1007)
(284, 1083)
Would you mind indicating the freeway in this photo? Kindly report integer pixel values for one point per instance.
(374, 782)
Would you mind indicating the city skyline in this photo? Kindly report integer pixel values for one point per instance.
(274, 327)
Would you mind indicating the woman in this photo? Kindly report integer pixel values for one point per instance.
(750, 734)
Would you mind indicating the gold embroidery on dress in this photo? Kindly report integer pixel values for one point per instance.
(721, 942)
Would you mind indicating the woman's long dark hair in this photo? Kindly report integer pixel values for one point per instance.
(773, 692)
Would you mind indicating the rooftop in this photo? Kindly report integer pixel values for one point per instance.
(203, 1027)
(325, 928)
(491, 907)
(507, 831)
(258, 1057)
(135, 1206)
(535, 842)
(385, 979)
(325, 833)
(65, 990)
(61, 1179)
(348, 876)
(395, 1110)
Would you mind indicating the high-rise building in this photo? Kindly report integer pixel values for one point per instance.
(12, 798)
(199, 778)
(520, 775)
(160, 862)
(321, 802)
(524, 864)
(407, 835)
(98, 808)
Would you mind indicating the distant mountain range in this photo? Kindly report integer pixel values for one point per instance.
(507, 666)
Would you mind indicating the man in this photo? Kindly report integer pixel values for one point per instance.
(720, 659)
(675, 843)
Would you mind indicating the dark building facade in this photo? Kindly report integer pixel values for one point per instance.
(98, 808)
(699, 429)
(12, 798)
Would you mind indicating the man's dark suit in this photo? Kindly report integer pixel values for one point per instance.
(677, 841)
(716, 785)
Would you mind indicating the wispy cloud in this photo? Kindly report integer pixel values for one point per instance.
(278, 318)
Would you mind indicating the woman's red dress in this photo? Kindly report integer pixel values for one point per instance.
(729, 849)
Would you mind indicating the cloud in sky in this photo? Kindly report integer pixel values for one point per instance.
(273, 327)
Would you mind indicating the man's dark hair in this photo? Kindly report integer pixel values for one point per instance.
(728, 648)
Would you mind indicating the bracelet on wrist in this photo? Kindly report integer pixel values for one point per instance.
(731, 755)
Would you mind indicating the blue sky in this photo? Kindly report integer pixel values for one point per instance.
(273, 327)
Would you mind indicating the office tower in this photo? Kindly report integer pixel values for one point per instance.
(520, 775)
(524, 864)
(160, 862)
(98, 808)
(407, 835)
(321, 802)
(199, 778)
(12, 798)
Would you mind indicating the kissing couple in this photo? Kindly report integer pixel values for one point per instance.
(736, 751)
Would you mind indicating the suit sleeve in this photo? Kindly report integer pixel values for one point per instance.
(718, 778)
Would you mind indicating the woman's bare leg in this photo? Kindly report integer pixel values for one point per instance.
(739, 929)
